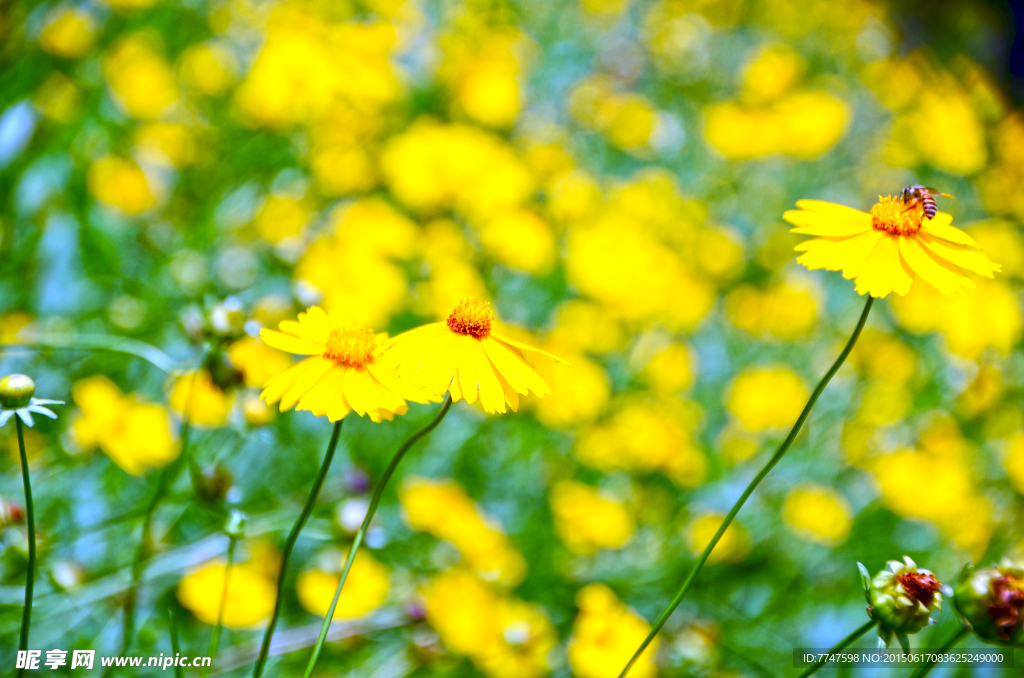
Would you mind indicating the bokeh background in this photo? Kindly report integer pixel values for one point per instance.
(611, 174)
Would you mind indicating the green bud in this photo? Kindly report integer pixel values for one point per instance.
(991, 601)
(235, 527)
(16, 390)
(901, 598)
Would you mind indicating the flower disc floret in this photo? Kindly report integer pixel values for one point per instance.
(893, 216)
(991, 601)
(471, 317)
(352, 346)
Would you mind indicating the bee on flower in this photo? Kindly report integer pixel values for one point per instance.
(900, 240)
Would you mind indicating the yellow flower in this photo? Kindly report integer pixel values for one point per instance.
(1013, 459)
(141, 82)
(208, 67)
(766, 397)
(817, 514)
(580, 391)
(120, 183)
(605, 635)
(257, 362)
(347, 370)
(521, 240)
(525, 639)
(250, 599)
(443, 509)
(732, 547)
(886, 250)
(466, 358)
(461, 608)
(135, 435)
(366, 589)
(68, 33)
(588, 521)
(196, 398)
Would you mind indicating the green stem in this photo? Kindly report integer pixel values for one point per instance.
(30, 513)
(215, 639)
(290, 544)
(370, 511)
(841, 645)
(927, 667)
(779, 453)
(172, 625)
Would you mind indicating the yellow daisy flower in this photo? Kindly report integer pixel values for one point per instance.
(465, 357)
(890, 247)
(347, 370)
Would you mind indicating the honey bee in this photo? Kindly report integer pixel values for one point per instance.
(912, 196)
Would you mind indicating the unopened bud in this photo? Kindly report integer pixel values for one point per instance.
(16, 390)
(235, 526)
(991, 601)
(213, 484)
(901, 598)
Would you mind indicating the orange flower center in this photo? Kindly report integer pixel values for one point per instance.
(471, 317)
(352, 346)
(893, 216)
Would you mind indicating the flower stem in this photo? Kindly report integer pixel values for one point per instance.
(779, 453)
(172, 625)
(927, 667)
(215, 638)
(290, 544)
(374, 502)
(30, 513)
(841, 645)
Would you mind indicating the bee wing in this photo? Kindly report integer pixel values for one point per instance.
(935, 191)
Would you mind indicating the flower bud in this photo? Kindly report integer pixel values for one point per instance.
(213, 484)
(16, 390)
(235, 526)
(991, 602)
(10, 513)
(901, 598)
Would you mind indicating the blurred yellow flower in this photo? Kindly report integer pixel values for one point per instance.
(140, 80)
(521, 240)
(731, 548)
(68, 32)
(587, 327)
(642, 436)
(772, 72)
(627, 119)
(135, 435)
(126, 5)
(119, 182)
(588, 521)
(165, 144)
(889, 248)
(670, 370)
(250, 598)
(737, 444)
(572, 195)
(58, 97)
(442, 508)
(282, 218)
(366, 588)
(764, 398)
(1013, 459)
(348, 370)
(505, 637)
(787, 310)
(605, 635)
(989, 319)
(432, 166)
(580, 390)
(256, 361)
(355, 266)
(482, 68)
(16, 327)
(209, 67)
(198, 400)
(466, 358)
(883, 357)
(817, 514)
(256, 411)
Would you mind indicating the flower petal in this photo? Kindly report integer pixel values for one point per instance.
(290, 343)
(41, 410)
(942, 275)
(833, 208)
(839, 254)
(5, 416)
(492, 396)
(466, 383)
(513, 368)
(43, 401)
(340, 408)
(819, 223)
(526, 347)
(972, 260)
(25, 416)
(884, 271)
(943, 228)
(315, 324)
(303, 381)
(321, 396)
